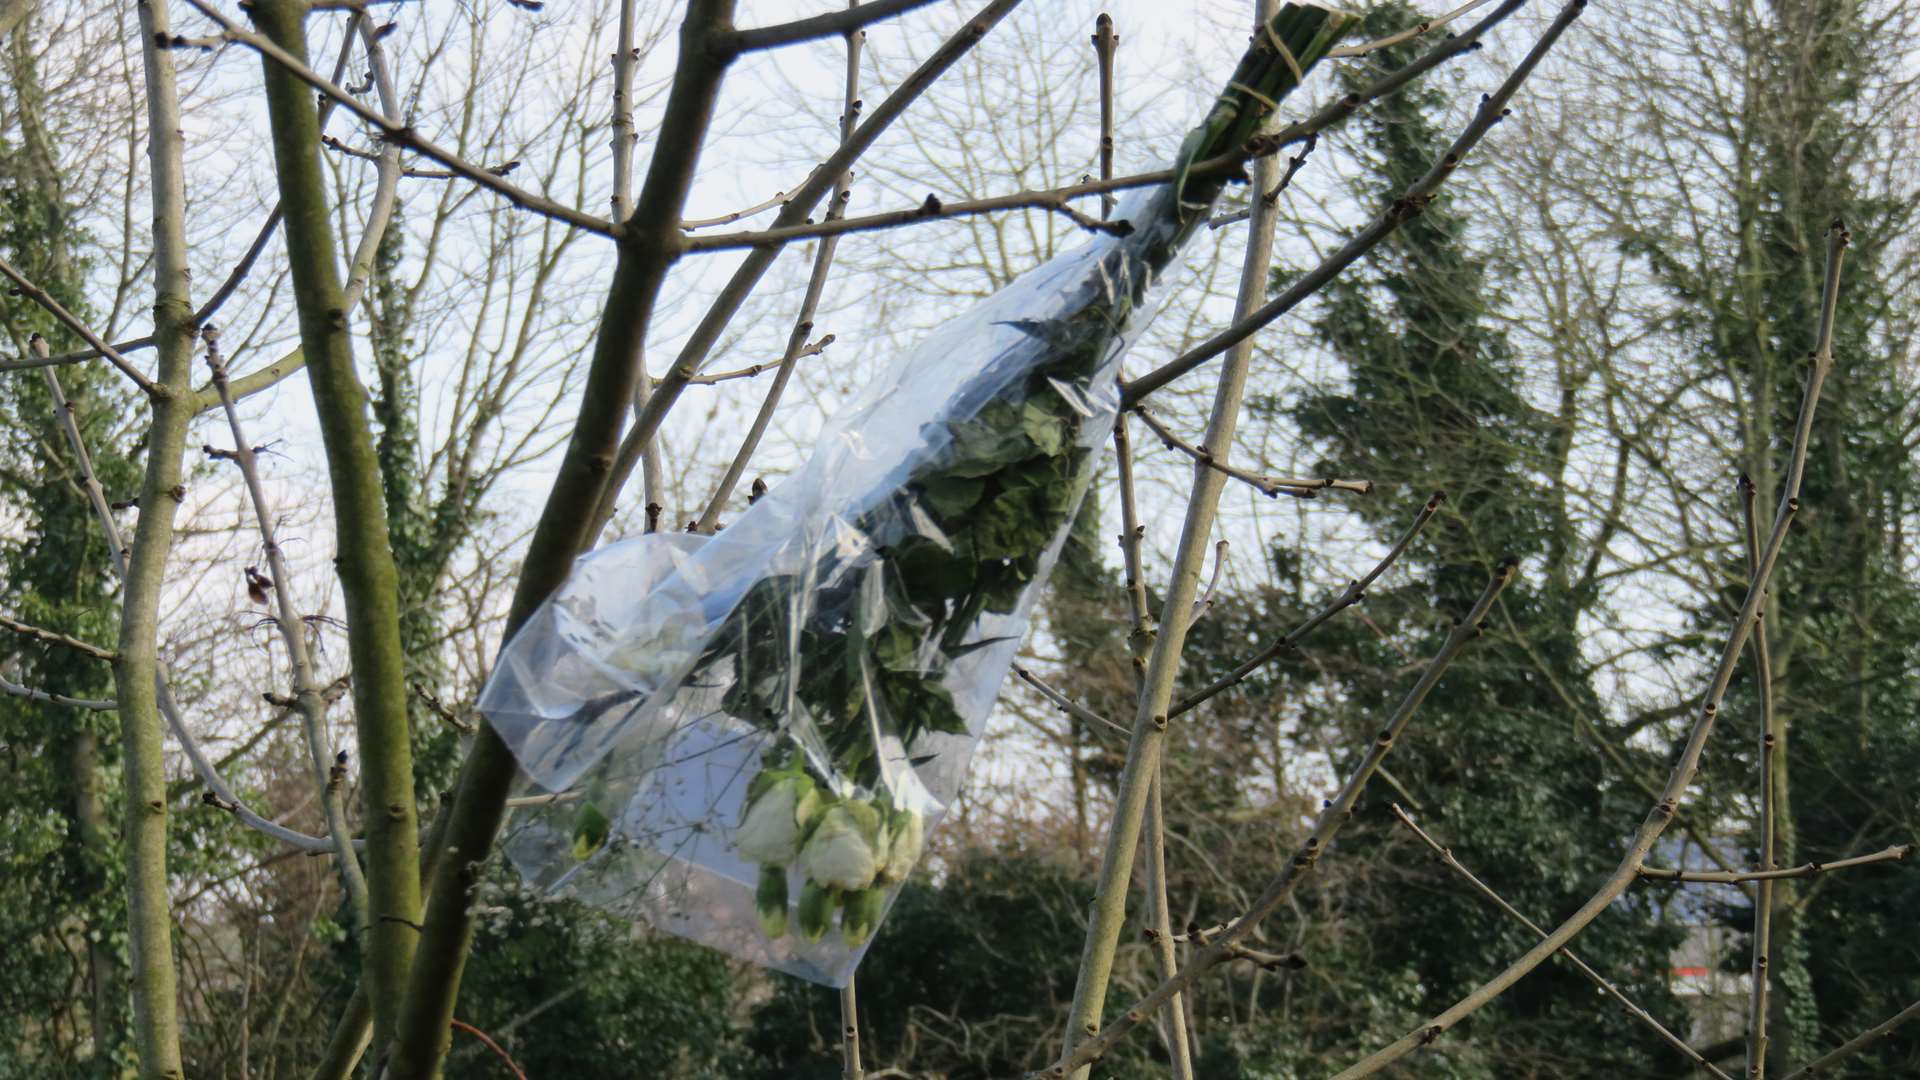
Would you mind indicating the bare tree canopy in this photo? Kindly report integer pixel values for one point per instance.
(1165, 540)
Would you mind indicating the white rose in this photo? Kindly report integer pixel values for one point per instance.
(840, 852)
(775, 824)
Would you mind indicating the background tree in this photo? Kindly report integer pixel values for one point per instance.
(1434, 401)
(63, 907)
(1748, 164)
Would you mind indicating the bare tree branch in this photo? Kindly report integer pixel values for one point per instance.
(934, 209)
(1140, 777)
(139, 688)
(1270, 486)
(379, 215)
(1057, 199)
(308, 695)
(1895, 853)
(1411, 32)
(53, 307)
(45, 697)
(1818, 1066)
(812, 348)
(241, 269)
(1493, 107)
(52, 637)
(1062, 702)
(809, 307)
(1445, 855)
(819, 26)
(222, 794)
(565, 529)
(365, 560)
(1351, 595)
(403, 135)
(1771, 733)
(624, 63)
(727, 304)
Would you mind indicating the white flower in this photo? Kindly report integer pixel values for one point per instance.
(775, 824)
(908, 835)
(840, 853)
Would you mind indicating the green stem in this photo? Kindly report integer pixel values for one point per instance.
(365, 560)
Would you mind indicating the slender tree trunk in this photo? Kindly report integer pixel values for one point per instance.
(646, 250)
(365, 558)
(150, 924)
(92, 852)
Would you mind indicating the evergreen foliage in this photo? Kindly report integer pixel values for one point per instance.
(1496, 764)
(968, 979)
(62, 905)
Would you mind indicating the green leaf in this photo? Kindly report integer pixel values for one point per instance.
(929, 573)
(591, 827)
(989, 441)
(1045, 428)
(896, 648)
(951, 496)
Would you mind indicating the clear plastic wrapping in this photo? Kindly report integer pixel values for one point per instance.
(744, 738)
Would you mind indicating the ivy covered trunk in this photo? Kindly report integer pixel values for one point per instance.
(747, 735)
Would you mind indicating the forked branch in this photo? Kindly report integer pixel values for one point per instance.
(1445, 855)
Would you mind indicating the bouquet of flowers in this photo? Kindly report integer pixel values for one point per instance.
(773, 716)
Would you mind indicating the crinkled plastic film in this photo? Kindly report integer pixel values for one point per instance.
(745, 738)
(672, 669)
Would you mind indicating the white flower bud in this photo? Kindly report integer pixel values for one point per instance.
(840, 854)
(775, 824)
(908, 835)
